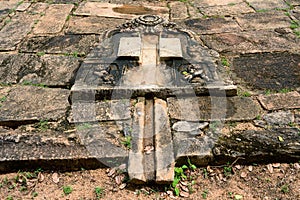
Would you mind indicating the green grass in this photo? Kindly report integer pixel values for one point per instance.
(43, 125)
(294, 24)
(34, 84)
(99, 192)
(204, 194)
(225, 62)
(67, 190)
(127, 141)
(285, 189)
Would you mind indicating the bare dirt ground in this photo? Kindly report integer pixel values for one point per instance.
(273, 181)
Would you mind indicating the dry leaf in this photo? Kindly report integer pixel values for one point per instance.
(184, 194)
(184, 188)
(276, 165)
(250, 168)
(55, 178)
(296, 165)
(41, 177)
(111, 172)
(183, 183)
(243, 174)
(122, 186)
(118, 180)
(122, 167)
(238, 166)
(270, 168)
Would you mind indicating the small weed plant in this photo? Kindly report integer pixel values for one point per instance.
(99, 192)
(127, 141)
(67, 190)
(183, 174)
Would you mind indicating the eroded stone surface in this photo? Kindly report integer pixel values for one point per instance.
(184, 126)
(6, 7)
(68, 44)
(164, 154)
(279, 118)
(263, 20)
(267, 4)
(212, 25)
(178, 10)
(99, 111)
(23, 6)
(136, 162)
(225, 10)
(14, 31)
(91, 25)
(273, 71)
(49, 70)
(252, 41)
(278, 101)
(118, 10)
(29, 103)
(54, 19)
(208, 3)
(212, 108)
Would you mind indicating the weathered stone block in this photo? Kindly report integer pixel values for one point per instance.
(208, 3)
(76, 45)
(212, 25)
(91, 25)
(49, 70)
(267, 4)
(281, 70)
(54, 19)
(212, 108)
(278, 101)
(118, 10)
(279, 118)
(225, 10)
(14, 31)
(99, 111)
(164, 154)
(267, 20)
(178, 10)
(25, 104)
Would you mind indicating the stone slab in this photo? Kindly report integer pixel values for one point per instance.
(193, 12)
(54, 19)
(62, 44)
(29, 103)
(279, 118)
(170, 47)
(290, 100)
(15, 30)
(178, 10)
(130, 46)
(199, 151)
(281, 70)
(92, 24)
(212, 25)
(263, 20)
(110, 110)
(23, 6)
(118, 10)
(252, 42)
(136, 158)
(49, 70)
(51, 150)
(213, 108)
(208, 3)
(267, 4)
(226, 10)
(293, 2)
(296, 12)
(164, 154)
(6, 7)
(38, 8)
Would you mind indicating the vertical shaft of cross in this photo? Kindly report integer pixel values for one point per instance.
(149, 58)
